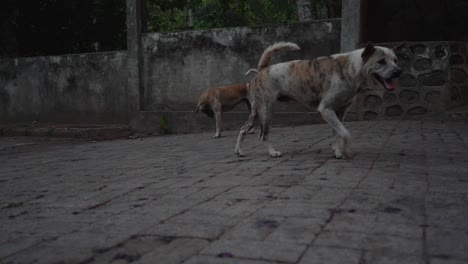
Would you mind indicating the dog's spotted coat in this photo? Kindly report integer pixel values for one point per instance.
(328, 84)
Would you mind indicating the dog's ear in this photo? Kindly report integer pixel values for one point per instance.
(368, 51)
(399, 46)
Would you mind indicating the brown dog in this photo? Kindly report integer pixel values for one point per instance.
(215, 101)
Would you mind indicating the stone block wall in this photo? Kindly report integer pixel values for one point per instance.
(434, 82)
(457, 89)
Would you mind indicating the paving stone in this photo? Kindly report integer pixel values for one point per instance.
(193, 230)
(447, 261)
(223, 260)
(46, 255)
(296, 208)
(17, 243)
(361, 241)
(378, 258)
(87, 240)
(252, 192)
(296, 230)
(317, 255)
(254, 228)
(176, 251)
(203, 216)
(351, 221)
(447, 243)
(401, 198)
(256, 250)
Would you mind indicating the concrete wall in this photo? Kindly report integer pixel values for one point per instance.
(177, 67)
(84, 88)
(434, 83)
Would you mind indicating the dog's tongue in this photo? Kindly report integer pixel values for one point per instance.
(390, 85)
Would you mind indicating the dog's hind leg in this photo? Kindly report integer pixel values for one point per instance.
(251, 131)
(249, 125)
(265, 125)
(341, 146)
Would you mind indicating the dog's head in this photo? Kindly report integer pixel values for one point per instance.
(205, 109)
(380, 63)
(203, 105)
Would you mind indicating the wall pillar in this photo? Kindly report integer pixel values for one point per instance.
(134, 61)
(352, 24)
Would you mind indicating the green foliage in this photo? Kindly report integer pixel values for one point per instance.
(164, 126)
(172, 15)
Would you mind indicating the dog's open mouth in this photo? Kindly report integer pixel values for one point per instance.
(389, 84)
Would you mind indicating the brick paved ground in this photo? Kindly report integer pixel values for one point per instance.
(403, 198)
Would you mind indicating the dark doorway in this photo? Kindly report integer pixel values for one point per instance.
(415, 20)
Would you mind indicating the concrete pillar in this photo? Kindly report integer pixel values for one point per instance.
(134, 83)
(351, 24)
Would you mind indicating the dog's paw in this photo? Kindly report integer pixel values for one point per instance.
(216, 136)
(251, 131)
(239, 153)
(343, 155)
(275, 154)
(339, 154)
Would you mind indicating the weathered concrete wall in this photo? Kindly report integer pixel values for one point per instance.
(435, 81)
(177, 67)
(84, 88)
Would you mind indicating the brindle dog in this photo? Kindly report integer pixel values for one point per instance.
(328, 84)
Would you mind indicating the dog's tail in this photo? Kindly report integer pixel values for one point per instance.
(250, 71)
(266, 56)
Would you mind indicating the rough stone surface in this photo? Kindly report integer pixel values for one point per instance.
(458, 47)
(407, 80)
(440, 52)
(389, 98)
(370, 115)
(372, 101)
(394, 110)
(409, 96)
(404, 60)
(418, 49)
(433, 97)
(458, 75)
(401, 198)
(435, 78)
(423, 64)
(456, 60)
(418, 110)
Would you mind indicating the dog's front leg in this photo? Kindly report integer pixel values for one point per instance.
(219, 123)
(250, 124)
(340, 114)
(341, 146)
